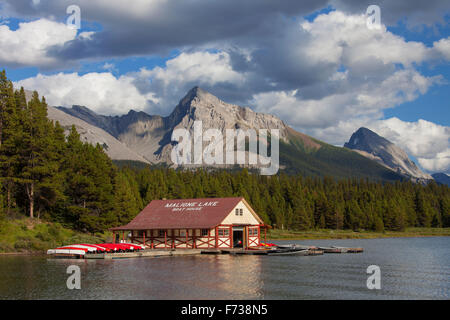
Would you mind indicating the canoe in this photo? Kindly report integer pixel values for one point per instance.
(67, 251)
(88, 248)
(296, 246)
(120, 246)
(284, 252)
(100, 249)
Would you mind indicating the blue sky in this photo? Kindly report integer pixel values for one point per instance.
(312, 63)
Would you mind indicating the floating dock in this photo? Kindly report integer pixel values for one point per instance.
(143, 254)
(280, 250)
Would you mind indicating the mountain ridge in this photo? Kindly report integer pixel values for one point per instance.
(373, 146)
(150, 136)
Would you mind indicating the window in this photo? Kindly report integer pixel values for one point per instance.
(241, 211)
(224, 232)
(204, 232)
(141, 233)
(182, 233)
(253, 232)
(161, 233)
(237, 212)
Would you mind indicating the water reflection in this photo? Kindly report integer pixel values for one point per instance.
(416, 268)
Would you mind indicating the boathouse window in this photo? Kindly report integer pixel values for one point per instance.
(224, 232)
(204, 232)
(241, 211)
(182, 233)
(161, 233)
(140, 233)
(237, 212)
(253, 232)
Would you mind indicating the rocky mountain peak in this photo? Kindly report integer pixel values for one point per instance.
(375, 147)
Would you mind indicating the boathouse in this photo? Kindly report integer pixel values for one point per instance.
(195, 224)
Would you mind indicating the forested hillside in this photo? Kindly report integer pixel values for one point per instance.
(46, 175)
(61, 179)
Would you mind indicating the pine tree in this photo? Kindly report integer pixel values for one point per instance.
(10, 138)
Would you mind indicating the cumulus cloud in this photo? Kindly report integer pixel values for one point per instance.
(428, 142)
(148, 27)
(326, 77)
(30, 43)
(102, 92)
(442, 47)
(171, 82)
(425, 140)
(413, 12)
(155, 91)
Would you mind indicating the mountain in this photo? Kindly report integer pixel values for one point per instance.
(114, 148)
(375, 147)
(442, 178)
(150, 136)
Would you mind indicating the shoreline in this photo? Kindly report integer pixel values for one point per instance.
(348, 234)
(319, 235)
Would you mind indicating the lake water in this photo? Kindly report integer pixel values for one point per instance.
(411, 268)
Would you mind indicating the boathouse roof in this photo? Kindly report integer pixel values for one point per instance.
(202, 213)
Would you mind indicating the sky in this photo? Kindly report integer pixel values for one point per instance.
(318, 65)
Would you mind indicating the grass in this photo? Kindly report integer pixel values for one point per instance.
(35, 236)
(277, 234)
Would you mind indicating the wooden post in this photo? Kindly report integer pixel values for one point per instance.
(165, 239)
(209, 236)
(145, 231)
(259, 235)
(114, 237)
(123, 235)
(217, 237)
(152, 236)
(173, 238)
(265, 234)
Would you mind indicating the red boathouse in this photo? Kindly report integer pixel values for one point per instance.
(195, 224)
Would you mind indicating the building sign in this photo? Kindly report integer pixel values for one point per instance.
(190, 206)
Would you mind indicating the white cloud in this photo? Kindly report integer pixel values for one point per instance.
(155, 91)
(201, 67)
(171, 82)
(102, 92)
(340, 38)
(424, 140)
(362, 100)
(29, 44)
(440, 163)
(443, 48)
(327, 78)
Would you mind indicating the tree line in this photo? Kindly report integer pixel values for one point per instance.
(47, 174)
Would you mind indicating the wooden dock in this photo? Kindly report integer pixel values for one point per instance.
(143, 254)
(155, 253)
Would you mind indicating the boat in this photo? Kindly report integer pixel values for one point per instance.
(289, 252)
(68, 252)
(120, 247)
(297, 246)
(89, 249)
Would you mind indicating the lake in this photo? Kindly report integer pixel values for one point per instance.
(411, 268)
